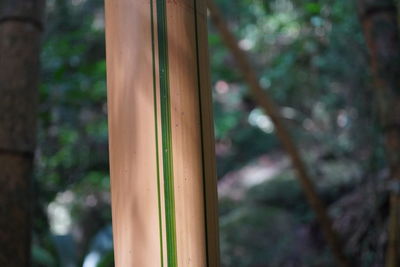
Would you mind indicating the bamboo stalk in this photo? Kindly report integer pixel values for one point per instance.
(20, 41)
(163, 178)
(381, 31)
(262, 98)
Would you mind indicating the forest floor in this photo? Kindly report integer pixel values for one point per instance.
(265, 219)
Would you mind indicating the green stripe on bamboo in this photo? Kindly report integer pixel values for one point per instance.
(156, 131)
(166, 134)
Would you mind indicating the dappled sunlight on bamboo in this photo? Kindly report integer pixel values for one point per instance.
(185, 123)
(139, 202)
(132, 139)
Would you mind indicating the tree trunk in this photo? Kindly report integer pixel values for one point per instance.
(379, 21)
(20, 30)
(163, 179)
(263, 100)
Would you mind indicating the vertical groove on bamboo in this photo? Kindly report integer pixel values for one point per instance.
(162, 160)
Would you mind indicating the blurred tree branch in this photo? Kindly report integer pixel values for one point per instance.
(261, 97)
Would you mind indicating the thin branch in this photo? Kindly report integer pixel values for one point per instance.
(264, 101)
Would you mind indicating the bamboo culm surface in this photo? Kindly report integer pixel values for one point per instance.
(162, 158)
(21, 28)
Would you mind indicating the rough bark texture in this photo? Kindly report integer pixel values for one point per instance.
(263, 100)
(20, 28)
(379, 21)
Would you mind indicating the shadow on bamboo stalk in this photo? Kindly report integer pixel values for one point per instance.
(263, 100)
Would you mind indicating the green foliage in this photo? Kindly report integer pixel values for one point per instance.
(44, 254)
(107, 260)
(311, 58)
(72, 139)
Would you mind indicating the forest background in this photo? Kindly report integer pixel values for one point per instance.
(311, 58)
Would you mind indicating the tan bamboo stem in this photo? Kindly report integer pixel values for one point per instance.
(262, 98)
(163, 178)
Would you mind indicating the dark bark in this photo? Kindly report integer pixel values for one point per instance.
(15, 210)
(20, 30)
(264, 101)
(30, 11)
(379, 21)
